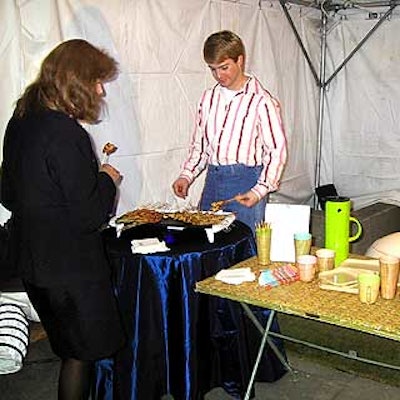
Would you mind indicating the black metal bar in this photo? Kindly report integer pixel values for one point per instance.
(347, 59)
(322, 90)
(303, 49)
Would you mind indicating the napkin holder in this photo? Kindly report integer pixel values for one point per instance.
(285, 221)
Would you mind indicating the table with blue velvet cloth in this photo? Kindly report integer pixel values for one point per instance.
(180, 342)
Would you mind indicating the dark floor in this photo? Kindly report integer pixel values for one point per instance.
(365, 346)
(315, 375)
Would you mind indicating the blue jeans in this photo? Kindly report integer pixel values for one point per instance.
(226, 181)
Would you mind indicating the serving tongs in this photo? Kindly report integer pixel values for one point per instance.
(220, 204)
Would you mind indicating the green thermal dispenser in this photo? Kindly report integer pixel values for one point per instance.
(337, 227)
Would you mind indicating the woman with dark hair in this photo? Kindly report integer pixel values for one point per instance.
(59, 198)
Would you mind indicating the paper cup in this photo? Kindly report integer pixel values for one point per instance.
(306, 264)
(302, 243)
(389, 271)
(368, 287)
(325, 259)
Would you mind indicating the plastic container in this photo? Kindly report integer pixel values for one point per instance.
(14, 338)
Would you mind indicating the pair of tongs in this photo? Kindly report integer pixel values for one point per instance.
(220, 204)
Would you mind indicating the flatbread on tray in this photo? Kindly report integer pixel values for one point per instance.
(140, 216)
(145, 216)
(197, 218)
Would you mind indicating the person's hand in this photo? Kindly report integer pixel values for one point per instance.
(248, 199)
(112, 173)
(181, 187)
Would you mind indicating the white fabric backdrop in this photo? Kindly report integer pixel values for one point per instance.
(363, 103)
(151, 105)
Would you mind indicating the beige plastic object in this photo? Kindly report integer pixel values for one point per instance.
(370, 265)
(355, 263)
(341, 279)
(385, 246)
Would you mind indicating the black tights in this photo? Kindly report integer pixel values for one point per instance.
(75, 379)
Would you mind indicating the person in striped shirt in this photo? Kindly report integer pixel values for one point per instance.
(239, 135)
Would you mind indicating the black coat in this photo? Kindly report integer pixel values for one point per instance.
(58, 198)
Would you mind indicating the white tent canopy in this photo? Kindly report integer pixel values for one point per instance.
(343, 130)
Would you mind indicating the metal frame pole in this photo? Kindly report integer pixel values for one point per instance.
(322, 90)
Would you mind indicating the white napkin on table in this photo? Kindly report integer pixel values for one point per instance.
(235, 276)
(147, 246)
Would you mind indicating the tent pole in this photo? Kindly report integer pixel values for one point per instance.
(299, 41)
(322, 89)
(320, 81)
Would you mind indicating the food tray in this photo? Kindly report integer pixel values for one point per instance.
(365, 264)
(344, 277)
(341, 279)
(173, 224)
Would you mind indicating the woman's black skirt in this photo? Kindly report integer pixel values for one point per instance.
(81, 321)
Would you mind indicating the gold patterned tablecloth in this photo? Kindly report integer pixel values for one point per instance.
(309, 301)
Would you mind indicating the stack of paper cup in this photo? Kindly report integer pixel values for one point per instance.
(263, 241)
(306, 265)
(302, 243)
(325, 259)
(389, 271)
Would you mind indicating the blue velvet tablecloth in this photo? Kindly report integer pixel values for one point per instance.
(180, 342)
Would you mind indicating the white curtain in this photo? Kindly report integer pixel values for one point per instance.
(151, 106)
(362, 130)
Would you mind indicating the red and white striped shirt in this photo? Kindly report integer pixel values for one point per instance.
(247, 129)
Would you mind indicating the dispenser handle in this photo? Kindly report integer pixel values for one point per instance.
(359, 229)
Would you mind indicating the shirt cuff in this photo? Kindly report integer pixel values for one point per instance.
(261, 190)
(187, 175)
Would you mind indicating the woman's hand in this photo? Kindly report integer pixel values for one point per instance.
(181, 187)
(248, 199)
(112, 173)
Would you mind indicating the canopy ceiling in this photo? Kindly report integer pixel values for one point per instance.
(336, 5)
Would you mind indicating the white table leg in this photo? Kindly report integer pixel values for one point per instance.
(264, 340)
(258, 325)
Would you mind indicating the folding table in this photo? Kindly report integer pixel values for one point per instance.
(307, 300)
